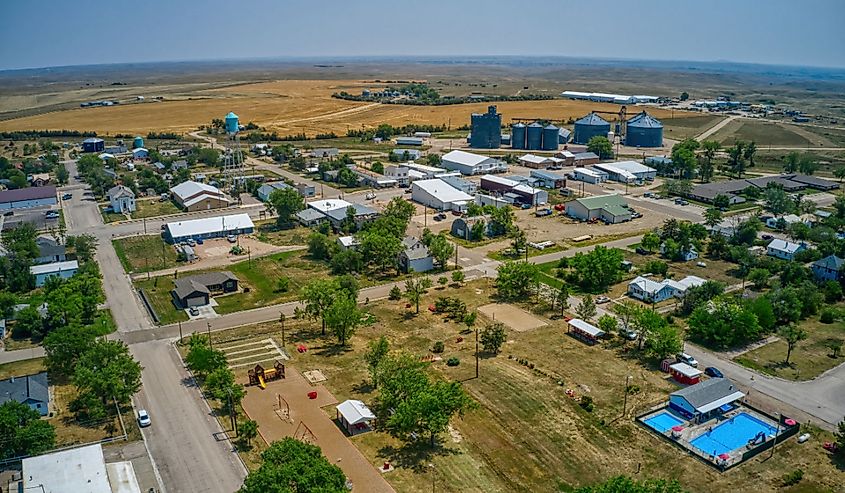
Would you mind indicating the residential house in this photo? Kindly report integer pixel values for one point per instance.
(265, 190)
(348, 242)
(49, 251)
(415, 256)
(121, 198)
(310, 217)
(784, 221)
(362, 214)
(62, 270)
(196, 290)
(306, 190)
(462, 227)
(31, 390)
(829, 268)
(784, 249)
(689, 254)
(328, 152)
(651, 291)
(39, 179)
(194, 196)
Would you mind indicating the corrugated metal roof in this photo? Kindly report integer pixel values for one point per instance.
(644, 120)
(441, 190)
(209, 225)
(30, 193)
(54, 267)
(592, 119)
(465, 158)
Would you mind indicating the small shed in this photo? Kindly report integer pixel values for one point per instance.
(685, 373)
(586, 332)
(355, 417)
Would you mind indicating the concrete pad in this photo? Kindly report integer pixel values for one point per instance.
(314, 376)
(512, 316)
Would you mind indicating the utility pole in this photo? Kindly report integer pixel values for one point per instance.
(625, 399)
(476, 352)
(180, 332)
(208, 327)
(282, 321)
(777, 431)
(145, 224)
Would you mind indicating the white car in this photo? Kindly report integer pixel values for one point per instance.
(602, 299)
(143, 418)
(685, 358)
(232, 238)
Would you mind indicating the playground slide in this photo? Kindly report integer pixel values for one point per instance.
(261, 382)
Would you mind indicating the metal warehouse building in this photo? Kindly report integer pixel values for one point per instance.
(643, 130)
(209, 227)
(486, 130)
(439, 195)
(609, 208)
(627, 171)
(590, 126)
(471, 164)
(24, 198)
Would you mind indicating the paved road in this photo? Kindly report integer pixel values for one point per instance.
(185, 439)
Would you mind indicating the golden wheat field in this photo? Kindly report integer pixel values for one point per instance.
(289, 107)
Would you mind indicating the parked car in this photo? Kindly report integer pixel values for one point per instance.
(51, 214)
(712, 371)
(408, 190)
(191, 242)
(199, 241)
(525, 206)
(602, 299)
(144, 418)
(701, 264)
(9, 213)
(768, 237)
(440, 216)
(629, 334)
(194, 311)
(67, 196)
(232, 238)
(686, 358)
(648, 194)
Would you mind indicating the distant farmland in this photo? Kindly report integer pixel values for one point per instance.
(297, 106)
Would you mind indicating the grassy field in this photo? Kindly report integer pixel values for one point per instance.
(527, 435)
(684, 126)
(809, 359)
(764, 134)
(158, 291)
(290, 107)
(154, 208)
(266, 232)
(144, 253)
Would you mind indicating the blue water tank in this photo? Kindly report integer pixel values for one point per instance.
(551, 134)
(534, 140)
(138, 142)
(231, 123)
(518, 136)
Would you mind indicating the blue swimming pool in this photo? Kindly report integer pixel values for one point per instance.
(663, 422)
(732, 434)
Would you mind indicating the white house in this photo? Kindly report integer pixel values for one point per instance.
(439, 195)
(410, 153)
(537, 162)
(788, 219)
(690, 254)
(348, 242)
(471, 164)
(398, 173)
(651, 291)
(784, 249)
(122, 199)
(587, 175)
(415, 256)
(63, 270)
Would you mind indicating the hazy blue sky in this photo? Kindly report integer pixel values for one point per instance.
(43, 33)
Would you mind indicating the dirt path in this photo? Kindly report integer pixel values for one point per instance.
(346, 112)
(305, 419)
(715, 128)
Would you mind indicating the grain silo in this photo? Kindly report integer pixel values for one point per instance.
(138, 142)
(518, 136)
(486, 129)
(534, 139)
(551, 134)
(590, 126)
(643, 130)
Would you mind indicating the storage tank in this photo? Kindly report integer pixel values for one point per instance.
(534, 138)
(231, 123)
(486, 129)
(643, 130)
(518, 136)
(138, 142)
(590, 126)
(551, 134)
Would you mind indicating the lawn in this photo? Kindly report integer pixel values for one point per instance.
(144, 253)
(267, 232)
(526, 434)
(154, 208)
(158, 291)
(508, 254)
(809, 359)
(683, 127)
(104, 322)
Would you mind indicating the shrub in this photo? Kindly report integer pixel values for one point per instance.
(282, 284)
(442, 280)
(587, 403)
(395, 293)
(792, 478)
(438, 347)
(828, 316)
(453, 361)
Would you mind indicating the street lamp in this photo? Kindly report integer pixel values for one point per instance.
(282, 321)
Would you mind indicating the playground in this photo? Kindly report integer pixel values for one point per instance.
(514, 317)
(290, 406)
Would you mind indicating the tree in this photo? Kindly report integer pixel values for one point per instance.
(835, 346)
(601, 146)
(840, 437)
(285, 203)
(377, 350)
(790, 162)
(749, 152)
(657, 267)
(319, 246)
(663, 341)
(415, 287)
(608, 323)
(736, 158)
(516, 279)
(343, 317)
(683, 157)
(441, 249)
(458, 276)
(380, 247)
(598, 269)
(221, 384)
(28, 323)
(724, 322)
(808, 164)
(563, 297)
(501, 221)
(377, 167)
(712, 216)
(646, 322)
(721, 201)
(290, 466)
(84, 246)
(107, 371)
(650, 242)
(247, 431)
(777, 201)
(759, 277)
(347, 261)
(317, 296)
(202, 359)
(23, 431)
(519, 243)
(839, 172)
(709, 149)
(62, 174)
(65, 345)
(492, 337)
(792, 334)
(684, 96)
(587, 308)
(624, 484)
(7, 304)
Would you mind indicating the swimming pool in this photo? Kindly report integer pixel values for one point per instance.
(732, 434)
(663, 422)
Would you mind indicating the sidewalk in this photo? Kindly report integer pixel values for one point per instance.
(21, 354)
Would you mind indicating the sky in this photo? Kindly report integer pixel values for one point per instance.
(46, 33)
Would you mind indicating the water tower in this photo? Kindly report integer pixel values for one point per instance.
(233, 158)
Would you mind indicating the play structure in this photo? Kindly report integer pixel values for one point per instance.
(259, 376)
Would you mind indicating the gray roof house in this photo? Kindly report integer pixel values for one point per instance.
(829, 268)
(121, 198)
(196, 290)
(266, 189)
(31, 390)
(49, 251)
(703, 398)
(310, 217)
(415, 256)
(363, 214)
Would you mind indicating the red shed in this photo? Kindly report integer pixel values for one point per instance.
(684, 373)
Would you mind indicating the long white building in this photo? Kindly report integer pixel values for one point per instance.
(471, 164)
(439, 195)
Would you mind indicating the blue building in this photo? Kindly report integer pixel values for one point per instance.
(31, 390)
(93, 144)
(829, 268)
(486, 130)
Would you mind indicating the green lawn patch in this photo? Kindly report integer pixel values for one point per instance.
(154, 208)
(268, 232)
(158, 291)
(144, 253)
